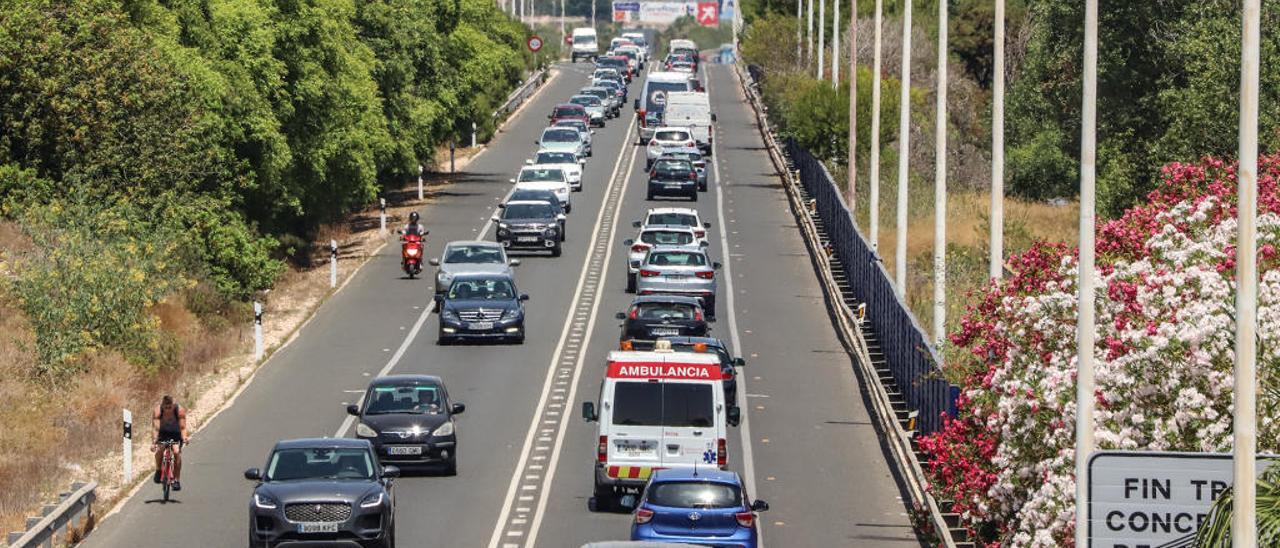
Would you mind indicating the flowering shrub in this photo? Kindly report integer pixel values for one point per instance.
(1165, 334)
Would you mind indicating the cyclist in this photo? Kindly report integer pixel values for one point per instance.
(169, 423)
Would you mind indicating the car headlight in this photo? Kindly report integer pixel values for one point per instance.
(450, 313)
(266, 503)
(511, 314)
(365, 431)
(371, 500)
(445, 429)
(550, 232)
(503, 226)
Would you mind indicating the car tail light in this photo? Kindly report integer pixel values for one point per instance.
(745, 519)
(602, 451)
(643, 120)
(643, 516)
(639, 248)
(700, 233)
(635, 313)
(690, 144)
(707, 275)
(722, 451)
(648, 273)
(693, 175)
(697, 315)
(626, 345)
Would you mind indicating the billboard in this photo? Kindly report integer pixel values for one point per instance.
(666, 12)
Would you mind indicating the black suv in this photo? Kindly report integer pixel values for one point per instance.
(655, 316)
(322, 490)
(409, 421)
(673, 177)
(530, 225)
(481, 306)
(727, 360)
(535, 195)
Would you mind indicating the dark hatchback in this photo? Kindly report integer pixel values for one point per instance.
(322, 491)
(409, 419)
(658, 316)
(673, 177)
(727, 360)
(481, 306)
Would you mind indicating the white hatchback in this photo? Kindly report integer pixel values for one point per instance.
(668, 139)
(545, 178)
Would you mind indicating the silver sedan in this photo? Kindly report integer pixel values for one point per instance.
(471, 257)
(679, 271)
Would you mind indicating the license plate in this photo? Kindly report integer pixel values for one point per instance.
(527, 239)
(673, 186)
(632, 449)
(480, 325)
(665, 332)
(318, 527)
(410, 450)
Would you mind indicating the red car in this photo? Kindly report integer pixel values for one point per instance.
(568, 111)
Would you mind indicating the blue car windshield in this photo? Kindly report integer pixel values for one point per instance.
(350, 463)
(694, 494)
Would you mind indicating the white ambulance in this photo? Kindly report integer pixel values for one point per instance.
(658, 409)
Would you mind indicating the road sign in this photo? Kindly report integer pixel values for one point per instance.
(535, 44)
(1153, 499)
(626, 6)
(709, 13)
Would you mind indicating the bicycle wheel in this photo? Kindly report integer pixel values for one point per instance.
(165, 485)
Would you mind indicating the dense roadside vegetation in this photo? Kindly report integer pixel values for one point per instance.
(1168, 90)
(163, 160)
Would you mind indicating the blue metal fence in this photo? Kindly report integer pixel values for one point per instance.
(910, 358)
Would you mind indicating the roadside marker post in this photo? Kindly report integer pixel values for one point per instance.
(420, 171)
(257, 330)
(333, 264)
(382, 218)
(127, 445)
(473, 142)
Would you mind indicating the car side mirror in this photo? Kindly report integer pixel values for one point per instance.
(628, 242)
(433, 262)
(253, 474)
(495, 218)
(353, 409)
(759, 506)
(390, 472)
(713, 117)
(589, 412)
(715, 266)
(515, 262)
(706, 225)
(512, 181)
(704, 243)
(528, 162)
(439, 299)
(548, 116)
(621, 315)
(458, 408)
(593, 132)
(739, 362)
(636, 104)
(560, 217)
(733, 416)
(524, 296)
(635, 224)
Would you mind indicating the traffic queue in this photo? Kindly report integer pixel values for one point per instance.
(668, 395)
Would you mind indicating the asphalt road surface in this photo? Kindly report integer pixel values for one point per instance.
(806, 445)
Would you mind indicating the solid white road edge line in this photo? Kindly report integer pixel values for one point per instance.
(748, 461)
(547, 482)
(525, 452)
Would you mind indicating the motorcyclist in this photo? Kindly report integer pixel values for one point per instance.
(413, 227)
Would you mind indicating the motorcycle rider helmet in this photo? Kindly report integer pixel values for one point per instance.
(413, 217)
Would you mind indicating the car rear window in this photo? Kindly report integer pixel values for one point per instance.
(673, 166)
(562, 112)
(677, 258)
(666, 237)
(686, 405)
(473, 254)
(538, 175)
(664, 311)
(694, 494)
(671, 136)
(585, 100)
(555, 158)
(677, 219)
(560, 135)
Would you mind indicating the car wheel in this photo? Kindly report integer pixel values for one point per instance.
(711, 309)
(648, 195)
(568, 208)
(702, 187)
(451, 467)
(441, 339)
(555, 251)
(631, 283)
(694, 195)
(602, 499)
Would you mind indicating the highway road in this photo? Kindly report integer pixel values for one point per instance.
(807, 444)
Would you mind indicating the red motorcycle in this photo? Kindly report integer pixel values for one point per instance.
(411, 254)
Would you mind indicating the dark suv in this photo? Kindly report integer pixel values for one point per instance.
(536, 195)
(727, 360)
(658, 316)
(481, 306)
(533, 225)
(322, 490)
(673, 177)
(409, 421)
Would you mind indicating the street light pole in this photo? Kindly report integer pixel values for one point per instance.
(940, 187)
(1085, 397)
(874, 207)
(835, 46)
(851, 194)
(904, 154)
(1244, 525)
(997, 148)
(809, 39)
(822, 35)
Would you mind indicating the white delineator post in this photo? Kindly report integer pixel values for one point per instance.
(822, 36)
(1085, 398)
(127, 446)
(473, 124)
(421, 169)
(851, 194)
(257, 330)
(873, 207)
(997, 148)
(382, 215)
(1244, 525)
(333, 264)
(904, 155)
(940, 189)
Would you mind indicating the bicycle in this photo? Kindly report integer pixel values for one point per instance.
(166, 466)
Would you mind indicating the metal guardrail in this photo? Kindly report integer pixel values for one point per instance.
(63, 523)
(850, 324)
(521, 94)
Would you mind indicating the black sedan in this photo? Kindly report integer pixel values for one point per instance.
(673, 177)
(322, 490)
(655, 316)
(481, 306)
(727, 360)
(409, 421)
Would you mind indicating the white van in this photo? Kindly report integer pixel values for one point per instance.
(691, 110)
(585, 44)
(652, 102)
(659, 409)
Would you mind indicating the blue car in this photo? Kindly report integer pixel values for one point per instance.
(707, 507)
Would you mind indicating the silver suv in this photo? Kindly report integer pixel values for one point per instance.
(679, 271)
(650, 236)
(471, 257)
